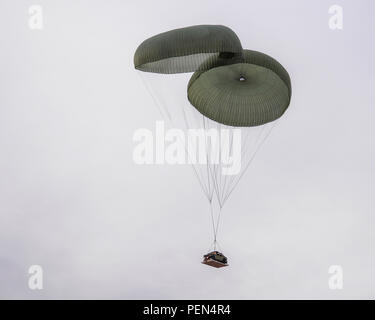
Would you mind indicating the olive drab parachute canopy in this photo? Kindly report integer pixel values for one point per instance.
(231, 90)
(251, 93)
(188, 49)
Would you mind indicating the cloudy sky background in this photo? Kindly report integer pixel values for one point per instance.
(73, 201)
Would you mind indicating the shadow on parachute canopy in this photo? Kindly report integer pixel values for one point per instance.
(189, 49)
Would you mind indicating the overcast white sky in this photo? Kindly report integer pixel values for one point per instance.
(73, 201)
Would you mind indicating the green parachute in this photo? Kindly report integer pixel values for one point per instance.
(230, 88)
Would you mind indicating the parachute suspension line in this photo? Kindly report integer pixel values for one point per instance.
(213, 222)
(218, 246)
(214, 176)
(252, 158)
(200, 182)
(200, 121)
(217, 224)
(210, 187)
(200, 179)
(245, 149)
(235, 181)
(159, 105)
(218, 178)
(213, 246)
(214, 168)
(166, 115)
(214, 165)
(220, 172)
(226, 178)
